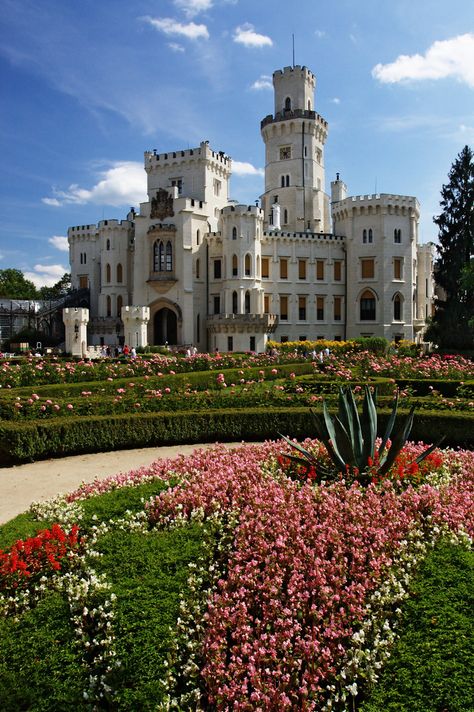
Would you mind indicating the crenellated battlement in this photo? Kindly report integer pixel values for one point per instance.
(377, 203)
(203, 151)
(296, 70)
(241, 210)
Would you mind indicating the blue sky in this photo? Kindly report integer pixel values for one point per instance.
(88, 85)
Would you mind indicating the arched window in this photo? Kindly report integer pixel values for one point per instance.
(247, 265)
(287, 104)
(198, 238)
(107, 273)
(156, 256)
(235, 266)
(397, 308)
(107, 244)
(119, 273)
(109, 306)
(309, 105)
(234, 303)
(283, 181)
(367, 306)
(169, 257)
(234, 233)
(370, 235)
(198, 265)
(364, 236)
(287, 181)
(119, 305)
(85, 258)
(247, 302)
(397, 236)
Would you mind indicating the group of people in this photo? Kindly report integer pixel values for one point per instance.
(116, 351)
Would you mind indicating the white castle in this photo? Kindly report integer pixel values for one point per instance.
(194, 267)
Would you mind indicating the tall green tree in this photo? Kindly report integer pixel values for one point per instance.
(58, 290)
(451, 324)
(14, 285)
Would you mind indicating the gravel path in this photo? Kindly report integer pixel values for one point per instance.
(36, 481)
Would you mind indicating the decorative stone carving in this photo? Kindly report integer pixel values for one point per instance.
(162, 205)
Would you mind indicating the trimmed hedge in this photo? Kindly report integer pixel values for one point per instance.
(197, 379)
(34, 440)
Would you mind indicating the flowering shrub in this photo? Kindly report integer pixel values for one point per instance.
(26, 561)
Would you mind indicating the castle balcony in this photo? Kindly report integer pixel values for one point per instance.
(161, 281)
(418, 324)
(289, 114)
(242, 323)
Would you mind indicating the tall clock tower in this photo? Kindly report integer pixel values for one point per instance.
(294, 198)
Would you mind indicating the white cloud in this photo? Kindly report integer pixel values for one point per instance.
(124, 183)
(336, 100)
(46, 275)
(263, 82)
(193, 7)
(445, 58)
(246, 35)
(175, 47)
(59, 242)
(191, 30)
(240, 168)
(320, 34)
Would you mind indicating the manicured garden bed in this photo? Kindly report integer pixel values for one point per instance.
(219, 581)
(75, 407)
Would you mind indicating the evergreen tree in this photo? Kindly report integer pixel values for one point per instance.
(450, 325)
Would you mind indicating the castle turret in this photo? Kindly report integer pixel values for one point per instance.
(294, 157)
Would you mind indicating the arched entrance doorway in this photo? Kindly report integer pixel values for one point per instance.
(165, 327)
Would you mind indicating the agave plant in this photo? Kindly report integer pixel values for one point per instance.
(350, 439)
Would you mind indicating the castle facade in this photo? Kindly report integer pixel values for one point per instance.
(193, 267)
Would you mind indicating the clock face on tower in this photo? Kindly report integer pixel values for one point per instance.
(285, 152)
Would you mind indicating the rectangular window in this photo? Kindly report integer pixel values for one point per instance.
(284, 308)
(337, 308)
(252, 343)
(301, 269)
(230, 343)
(320, 308)
(337, 270)
(302, 308)
(283, 268)
(319, 269)
(397, 268)
(178, 183)
(217, 269)
(284, 339)
(217, 304)
(266, 304)
(367, 269)
(83, 281)
(285, 153)
(265, 268)
(217, 187)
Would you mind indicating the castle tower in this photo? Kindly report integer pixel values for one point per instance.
(294, 155)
